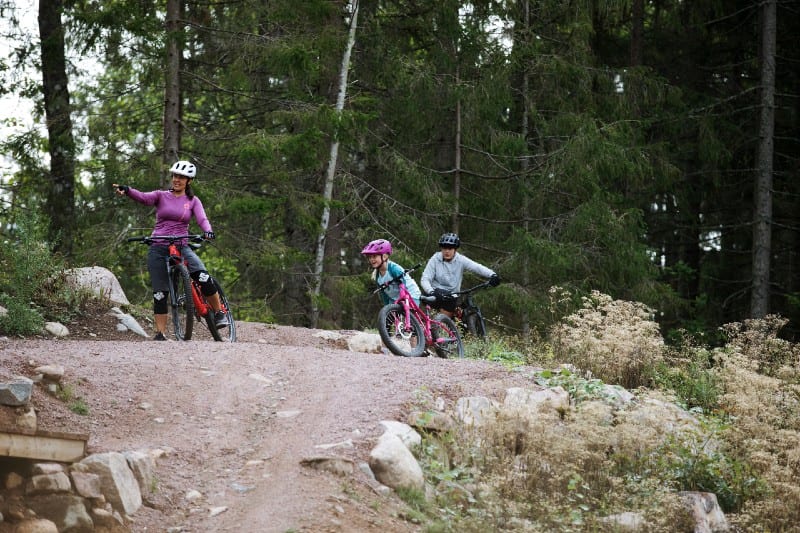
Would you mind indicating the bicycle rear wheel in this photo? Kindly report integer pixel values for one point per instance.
(447, 338)
(226, 333)
(476, 324)
(181, 302)
(402, 338)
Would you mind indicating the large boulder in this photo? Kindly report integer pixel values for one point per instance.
(99, 280)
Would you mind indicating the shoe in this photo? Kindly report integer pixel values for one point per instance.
(221, 319)
(159, 337)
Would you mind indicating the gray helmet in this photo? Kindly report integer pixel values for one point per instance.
(449, 240)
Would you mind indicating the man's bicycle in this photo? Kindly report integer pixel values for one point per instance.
(407, 330)
(468, 314)
(186, 300)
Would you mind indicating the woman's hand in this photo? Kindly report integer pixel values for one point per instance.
(121, 190)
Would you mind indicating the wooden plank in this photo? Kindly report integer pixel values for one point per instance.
(42, 448)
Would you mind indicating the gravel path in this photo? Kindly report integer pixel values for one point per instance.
(236, 420)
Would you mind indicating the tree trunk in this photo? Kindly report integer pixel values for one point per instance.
(762, 212)
(319, 263)
(172, 88)
(457, 168)
(60, 189)
(525, 127)
(637, 31)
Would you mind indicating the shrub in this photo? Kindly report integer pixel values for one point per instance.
(613, 340)
(689, 370)
(32, 285)
(27, 271)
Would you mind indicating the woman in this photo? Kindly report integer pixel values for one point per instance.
(174, 210)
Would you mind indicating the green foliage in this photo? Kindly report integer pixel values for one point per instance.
(28, 271)
(688, 370)
(21, 319)
(66, 393)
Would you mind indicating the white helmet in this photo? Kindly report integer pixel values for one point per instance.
(183, 168)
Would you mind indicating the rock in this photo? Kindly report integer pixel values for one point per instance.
(365, 342)
(431, 421)
(86, 484)
(405, 432)
(27, 419)
(336, 465)
(48, 483)
(100, 281)
(16, 392)
(143, 466)
(36, 525)
(474, 410)
(545, 399)
(50, 372)
(708, 516)
(66, 511)
(117, 481)
(394, 465)
(131, 324)
(56, 329)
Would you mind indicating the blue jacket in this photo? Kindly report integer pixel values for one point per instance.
(393, 291)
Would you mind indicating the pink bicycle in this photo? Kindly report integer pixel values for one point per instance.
(407, 330)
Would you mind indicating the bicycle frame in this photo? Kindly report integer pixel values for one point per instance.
(201, 307)
(412, 321)
(466, 305)
(423, 317)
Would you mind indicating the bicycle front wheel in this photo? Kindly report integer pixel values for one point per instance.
(447, 338)
(181, 302)
(224, 333)
(406, 338)
(476, 325)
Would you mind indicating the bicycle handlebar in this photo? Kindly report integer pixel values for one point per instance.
(483, 285)
(150, 239)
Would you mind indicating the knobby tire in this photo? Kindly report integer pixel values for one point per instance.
(447, 329)
(182, 303)
(407, 340)
(211, 320)
(476, 325)
(228, 333)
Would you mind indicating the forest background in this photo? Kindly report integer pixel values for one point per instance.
(645, 149)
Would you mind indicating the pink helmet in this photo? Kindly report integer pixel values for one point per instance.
(379, 246)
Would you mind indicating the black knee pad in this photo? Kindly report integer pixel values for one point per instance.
(160, 303)
(206, 282)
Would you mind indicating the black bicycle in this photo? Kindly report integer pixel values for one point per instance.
(468, 314)
(186, 300)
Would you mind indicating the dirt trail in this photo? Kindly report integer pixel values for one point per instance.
(237, 419)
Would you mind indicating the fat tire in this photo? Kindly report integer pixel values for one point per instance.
(228, 333)
(182, 303)
(476, 325)
(211, 321)
(450, 348)
(389, 317)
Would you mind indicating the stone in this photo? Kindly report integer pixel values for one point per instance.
(16, 392)
(56, 329)
(100, 281)
(394, 465)
(117, 481)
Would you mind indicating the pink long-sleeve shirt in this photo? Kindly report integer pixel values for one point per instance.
(173, 213)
